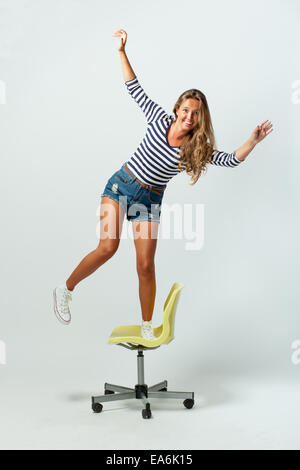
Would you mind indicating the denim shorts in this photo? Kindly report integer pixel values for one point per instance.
(139, 203)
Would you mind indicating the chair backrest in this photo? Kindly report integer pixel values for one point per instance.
(170, 308)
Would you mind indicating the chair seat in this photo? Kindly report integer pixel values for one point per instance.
(164, 333)
(133, 334)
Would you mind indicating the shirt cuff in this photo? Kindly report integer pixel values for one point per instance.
(235, 159)
(133, 80)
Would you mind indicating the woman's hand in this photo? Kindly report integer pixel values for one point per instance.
(261, 131)
(120, 33)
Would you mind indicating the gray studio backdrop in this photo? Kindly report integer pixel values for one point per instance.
(67, 123)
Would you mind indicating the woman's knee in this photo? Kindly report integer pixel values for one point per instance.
(108, 247)
(145, 267)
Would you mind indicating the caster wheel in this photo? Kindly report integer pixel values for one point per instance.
(188, 403)
(97, 407)
(163, 389)
(146, 412)
(108, 392)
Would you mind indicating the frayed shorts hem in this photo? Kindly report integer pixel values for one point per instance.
(139, 218)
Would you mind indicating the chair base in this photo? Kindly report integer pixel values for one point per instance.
(140, 392)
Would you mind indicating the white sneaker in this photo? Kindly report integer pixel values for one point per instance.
(147, 330)
(61, 296)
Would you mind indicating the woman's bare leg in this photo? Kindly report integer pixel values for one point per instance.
(111, 222)
(145, 240)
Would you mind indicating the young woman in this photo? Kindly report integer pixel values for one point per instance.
(170, 145)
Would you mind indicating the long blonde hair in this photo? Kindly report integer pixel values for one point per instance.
(198, 145)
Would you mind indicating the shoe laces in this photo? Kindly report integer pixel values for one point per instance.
(64, 301)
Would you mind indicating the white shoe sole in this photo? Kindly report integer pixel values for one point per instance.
(64, 322)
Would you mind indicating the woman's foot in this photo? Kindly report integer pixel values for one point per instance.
(61, 297)
(147, 330)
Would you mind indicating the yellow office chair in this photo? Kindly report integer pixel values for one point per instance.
(130, 337)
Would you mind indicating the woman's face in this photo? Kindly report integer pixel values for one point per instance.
(187, 114)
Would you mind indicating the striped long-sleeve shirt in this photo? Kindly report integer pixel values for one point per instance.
(155, 161)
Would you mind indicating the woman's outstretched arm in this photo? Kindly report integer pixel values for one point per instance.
(259, 133)
(151, 109)
(127, 70)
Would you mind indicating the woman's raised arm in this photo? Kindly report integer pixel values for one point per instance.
(259, 133)
(128, 73)
(151, 109)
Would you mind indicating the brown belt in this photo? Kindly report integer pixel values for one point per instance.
(155, 189)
